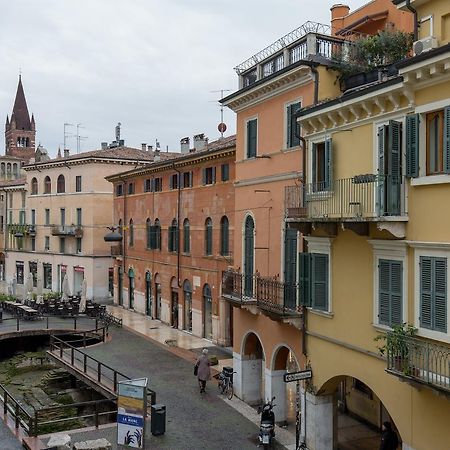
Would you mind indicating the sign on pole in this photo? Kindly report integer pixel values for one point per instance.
(297, 376)
(131, 412)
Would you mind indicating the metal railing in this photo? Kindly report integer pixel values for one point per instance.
(101, 373)
(361, 197)
(67, 230)
(421, 360)
(269, 294)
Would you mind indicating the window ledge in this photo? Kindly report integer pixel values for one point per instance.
(327, 314)
(430, 179)
(381, 328)
(291, 149)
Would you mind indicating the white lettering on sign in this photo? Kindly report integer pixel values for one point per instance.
(297, 376)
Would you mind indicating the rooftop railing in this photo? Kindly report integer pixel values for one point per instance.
(422, 361)
(362, 197)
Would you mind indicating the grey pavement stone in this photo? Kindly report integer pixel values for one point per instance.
(60, 441)
(7, 440)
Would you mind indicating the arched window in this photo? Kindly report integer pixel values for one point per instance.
(34, 186)
(131, 286)
(3, 170)
(148, 230)
(47, 185)
(15, 170)
(157, 234)
(8, 170)
(187, 290)
(224, 236)
(131, 234)
(208, 236)
(173, 236)
(61, 184)
(186, 236)
(249, 248)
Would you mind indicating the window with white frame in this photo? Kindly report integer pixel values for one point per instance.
(252, 138)
(293, 127)
(322, 166)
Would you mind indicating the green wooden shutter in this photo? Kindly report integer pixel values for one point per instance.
(293, 131)
(440, 295)
(383, 292)
(305, 278)
(177, 238)
(394, 167)
(203, 176)
(214, 174)
(447, 139)
(412, 145)
(249, 244)
(181, 180)
(320, 281)
(426, 292)
(224, 236)
(252, 126)
(381, 171)
(396, 294)
(171, 182)
(290, 267)
(191, 177)
(328, 164)
(289, 126)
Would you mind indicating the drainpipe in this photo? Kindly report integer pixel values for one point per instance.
(316, 84)
(416, 25)
(178, 223)
(124, 239)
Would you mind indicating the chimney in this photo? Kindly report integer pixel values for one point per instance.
(144, 147)
(104, 145)
(157, 156)
(338, 13)
(150, 148)
(200, 142)
(185, 145)
(66, 153)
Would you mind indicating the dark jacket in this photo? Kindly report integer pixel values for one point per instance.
(389, 440)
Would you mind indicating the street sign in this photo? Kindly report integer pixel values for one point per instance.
(297, 376)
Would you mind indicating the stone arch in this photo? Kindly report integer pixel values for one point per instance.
(248, 345)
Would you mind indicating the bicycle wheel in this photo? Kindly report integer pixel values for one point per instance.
(230, 391)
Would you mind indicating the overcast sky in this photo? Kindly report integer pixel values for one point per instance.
(149, 64)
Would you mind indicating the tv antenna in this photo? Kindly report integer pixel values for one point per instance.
(221, 127)
(66, 134)
(80, 138)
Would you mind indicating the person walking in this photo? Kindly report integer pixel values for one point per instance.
(203, 370)
(389, 439)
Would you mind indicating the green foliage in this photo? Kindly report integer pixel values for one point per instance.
(51, 295)
(365, 55)
(397, 344)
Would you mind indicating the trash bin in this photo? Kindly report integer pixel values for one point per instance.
(158, 419)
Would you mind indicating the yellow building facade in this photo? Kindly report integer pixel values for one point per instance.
(376, 224)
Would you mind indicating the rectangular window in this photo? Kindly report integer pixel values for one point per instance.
(173, 181)
(209, 175)
(62, 245)
(130, 188)
(78, 244)
(148, 185)
(62, 213)
(33, 217)
(433, 293)
(187, 179)
(252, 138)
(314, 281)
(157, 184)
(390, 292)
(78, 183)
(79, 217)
(435, 142)
(225, 172)
(47, 276)
(33, 271)
(47, 217)
(22, 217)
(2, 224)
(320, 173)
(293, 127)
(33, 244)
(47, 243)
(23, 199)
(119, 190)
(10, 213)
(19, 272)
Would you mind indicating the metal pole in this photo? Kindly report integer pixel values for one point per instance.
(297, 415)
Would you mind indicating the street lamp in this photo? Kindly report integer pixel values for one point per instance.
(113, 236)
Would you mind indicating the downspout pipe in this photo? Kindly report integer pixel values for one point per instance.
(316, 84)
(416, 23)
(178, 224)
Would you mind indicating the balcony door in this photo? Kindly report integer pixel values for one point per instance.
(290, 267)
(148, 294)
(389, 169)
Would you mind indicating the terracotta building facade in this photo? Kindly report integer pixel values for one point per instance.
(176, 221)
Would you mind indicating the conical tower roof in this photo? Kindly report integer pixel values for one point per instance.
(20, 110)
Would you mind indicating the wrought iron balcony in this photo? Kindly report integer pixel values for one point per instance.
(365, 197)
(274, 298)
(67, 230)
(116, 250)
(419, 361)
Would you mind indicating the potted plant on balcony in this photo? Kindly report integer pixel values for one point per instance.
(395, 345)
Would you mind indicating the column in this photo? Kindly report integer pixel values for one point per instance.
(276, 387)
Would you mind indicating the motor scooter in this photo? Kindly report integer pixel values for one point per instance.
(267, 425)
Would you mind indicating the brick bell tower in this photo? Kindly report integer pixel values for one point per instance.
(20, 131)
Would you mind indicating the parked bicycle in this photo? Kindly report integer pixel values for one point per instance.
(225, 382)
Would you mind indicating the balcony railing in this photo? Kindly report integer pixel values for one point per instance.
(362, 197)
(421, 361)
(270, 295)
(67, 230)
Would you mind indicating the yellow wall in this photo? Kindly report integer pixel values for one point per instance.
(440, 10)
